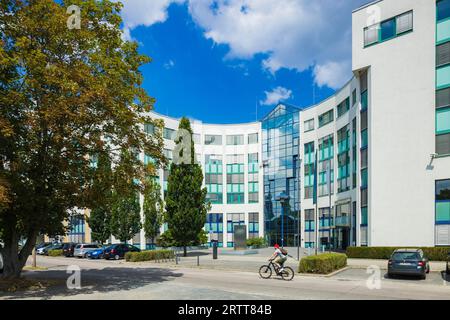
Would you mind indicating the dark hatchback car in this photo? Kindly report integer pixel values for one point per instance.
(118, 251)
(68, 249)
(409, 262)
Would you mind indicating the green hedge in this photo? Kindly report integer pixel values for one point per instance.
(256, 242)
(323, 264)
(432, 253)
(149, 255)
(55, 253)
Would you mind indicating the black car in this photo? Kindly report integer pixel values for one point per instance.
(118, 251)
(408, 262)
(448, 263)
(68, 249)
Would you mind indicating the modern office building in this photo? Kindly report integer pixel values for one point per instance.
(369, 166)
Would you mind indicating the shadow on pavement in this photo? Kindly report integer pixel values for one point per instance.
(94, 281)
(445, 276)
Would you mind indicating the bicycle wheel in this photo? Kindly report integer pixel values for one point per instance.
(265, 272)
(287, 274)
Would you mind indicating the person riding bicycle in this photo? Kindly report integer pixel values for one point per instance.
(279, 257)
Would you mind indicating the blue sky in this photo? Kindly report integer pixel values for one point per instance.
(224, 61)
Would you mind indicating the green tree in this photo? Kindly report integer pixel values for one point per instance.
(100, 216)
(153, 209)
(64, 94)
(186, 204)
(125, 217)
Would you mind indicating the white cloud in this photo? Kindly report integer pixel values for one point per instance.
(144, 13)
(330, 74)
(276, 95)
(295, 34)
(169, 64)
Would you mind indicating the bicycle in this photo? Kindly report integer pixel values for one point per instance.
(265, 271)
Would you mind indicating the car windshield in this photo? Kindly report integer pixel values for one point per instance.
(78, 246)
(406, 256)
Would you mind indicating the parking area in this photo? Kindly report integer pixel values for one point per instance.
(433, 278)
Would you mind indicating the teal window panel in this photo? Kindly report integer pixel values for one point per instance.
(364, 178)
(443, 121)
(364, 100)
(388, 30)
(364, 217)
(443, 77)
(443, 211)
(443, 9)
(364, 138)
(443, 31)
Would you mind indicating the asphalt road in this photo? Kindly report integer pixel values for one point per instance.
(120, 280)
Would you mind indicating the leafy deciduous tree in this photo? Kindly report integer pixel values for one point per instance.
(153, 209)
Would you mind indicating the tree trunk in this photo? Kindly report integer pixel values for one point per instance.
(184, 251)
(13, 260)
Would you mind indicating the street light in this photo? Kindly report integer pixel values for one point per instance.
(282, 198)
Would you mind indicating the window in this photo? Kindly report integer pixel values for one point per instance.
(443, 98)
(343, 107)
(214, 228)
(169, 134)
(364, 177)
(309, 125)
(235, 140)
(370, 35)
(443, 202)
(354, 97)
(404, 23)
(253, 224)
(253, 138)
(443, 144)
(213, 140)
(364, 139)
(443, 10)
(443, 54)
(442, 121)
(387, 30)
(326, 118)
(443, 77)
(149, 128)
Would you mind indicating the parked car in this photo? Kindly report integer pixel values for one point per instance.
(43, 249)
(55, 246)
(42, 245)
(408, 262)
(81, 250)
(118, 251)
(69, 248)
(97, 253)
(448, 263)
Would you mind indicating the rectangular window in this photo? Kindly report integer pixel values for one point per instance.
(169, 134)
(253, 138)
(370, 35)
(354, 97)
(443, 54)
(235, 140)
(443, 144)
(364, 139)
(388, 30)
(443, 98)
(404, 23)
(364, 218)
(149, 128)
(443, 121)
(343, 107)
(364, 177)
(443, 10)
(443, 202)
(364, 120)
(443, 77)
(214, 140)
(326, 118)
(309, 125)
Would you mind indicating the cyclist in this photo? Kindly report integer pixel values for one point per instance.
(279, 257)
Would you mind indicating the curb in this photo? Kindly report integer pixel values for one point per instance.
(314, 275)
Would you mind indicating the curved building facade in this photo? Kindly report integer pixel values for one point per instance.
(369, 166)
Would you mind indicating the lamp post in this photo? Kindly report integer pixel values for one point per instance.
(282, 198)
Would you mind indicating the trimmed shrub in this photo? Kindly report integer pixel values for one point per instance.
(149, 255)
(323, 263)
(432, 253)
(55, 253)
(256, 242)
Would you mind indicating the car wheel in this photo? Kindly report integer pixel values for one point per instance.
(428, 270)
(116, 257)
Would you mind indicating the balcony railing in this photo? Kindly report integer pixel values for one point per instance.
(343, 221)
